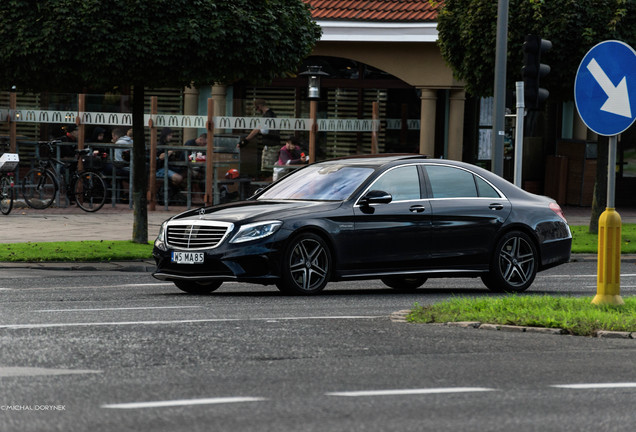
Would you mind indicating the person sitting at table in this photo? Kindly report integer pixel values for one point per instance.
(291, 153)
(175, 177)
(201, 141)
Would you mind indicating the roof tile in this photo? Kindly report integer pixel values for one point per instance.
(375, 10)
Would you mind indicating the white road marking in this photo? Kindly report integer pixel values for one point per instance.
(411, 391)
(8, 371)
(182, 402)
(565, 276)
(155, 284)
(166, 322)
(119, 309)
(596, 386)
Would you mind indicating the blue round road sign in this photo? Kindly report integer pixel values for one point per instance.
(605, 88)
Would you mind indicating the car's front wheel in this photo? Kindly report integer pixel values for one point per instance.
(514, 264)
(306, 265)
(197, 287)
(404, 283)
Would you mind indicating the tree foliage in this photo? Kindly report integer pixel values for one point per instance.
(467, 36)
(73, 45)
(100, 45)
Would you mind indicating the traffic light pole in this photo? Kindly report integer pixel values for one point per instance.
(521, 110)
(499, 111)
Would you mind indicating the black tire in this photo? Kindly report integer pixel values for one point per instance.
(90, 191)
(6, 196)
(404, 283)
(306, 267)
(514, 264)
(198, 287)
(39, 188)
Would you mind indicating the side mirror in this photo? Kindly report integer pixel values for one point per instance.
(375, 197)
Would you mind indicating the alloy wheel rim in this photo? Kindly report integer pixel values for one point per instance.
(308, 264)
(516, 261)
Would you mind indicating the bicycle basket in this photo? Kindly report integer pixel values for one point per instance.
(46, 150)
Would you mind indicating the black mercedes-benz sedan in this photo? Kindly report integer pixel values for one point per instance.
(397, 218)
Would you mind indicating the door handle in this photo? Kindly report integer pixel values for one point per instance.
(496, 206)
(417, 209)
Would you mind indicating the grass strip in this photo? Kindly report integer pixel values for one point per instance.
(584, 242)
(88, 250)
(574, 315)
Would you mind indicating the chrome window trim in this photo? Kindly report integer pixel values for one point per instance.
(501, 194)
(357, 204)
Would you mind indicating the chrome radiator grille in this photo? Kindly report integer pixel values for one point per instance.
(198, 235)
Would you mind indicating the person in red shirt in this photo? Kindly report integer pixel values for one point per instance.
(291, 153)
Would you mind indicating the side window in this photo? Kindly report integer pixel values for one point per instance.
(449, 182)
(402, 183)
(485, 190)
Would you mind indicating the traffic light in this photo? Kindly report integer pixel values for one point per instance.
(533, 70)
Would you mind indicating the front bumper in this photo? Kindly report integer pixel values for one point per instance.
(253, 263)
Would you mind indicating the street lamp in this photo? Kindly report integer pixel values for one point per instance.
(313, 74)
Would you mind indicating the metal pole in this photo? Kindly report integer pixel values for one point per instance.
(499, 111)
(521, 109)
(611, 171)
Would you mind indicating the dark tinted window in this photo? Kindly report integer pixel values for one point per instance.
(449, 182)
(485, 190)
(402, 183)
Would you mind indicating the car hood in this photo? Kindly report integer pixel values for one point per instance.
(249, 211)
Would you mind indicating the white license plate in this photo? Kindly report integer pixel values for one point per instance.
(187, 257)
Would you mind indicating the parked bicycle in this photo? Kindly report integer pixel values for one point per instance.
(7, 192)
(8, 163)
(41, 185)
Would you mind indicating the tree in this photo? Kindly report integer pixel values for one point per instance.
(467, 34)
(100, 45)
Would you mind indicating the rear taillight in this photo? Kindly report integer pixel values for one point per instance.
(557, 209)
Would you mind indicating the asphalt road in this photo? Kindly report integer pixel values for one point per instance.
(117, 351)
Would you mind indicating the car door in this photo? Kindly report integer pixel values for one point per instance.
(394, 235)
(467, 212)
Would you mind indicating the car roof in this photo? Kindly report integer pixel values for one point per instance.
(371, 160)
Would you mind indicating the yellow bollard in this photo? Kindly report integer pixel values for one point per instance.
(608, 285)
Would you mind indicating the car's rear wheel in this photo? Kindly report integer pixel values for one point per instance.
(197, 287)
(514, 264)
(306, 265)
(404, 283)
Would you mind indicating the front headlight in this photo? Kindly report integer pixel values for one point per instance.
(256, 231)
(160, 242)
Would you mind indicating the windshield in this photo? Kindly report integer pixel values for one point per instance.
(319, 182)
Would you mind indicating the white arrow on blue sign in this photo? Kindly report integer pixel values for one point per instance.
(605, 88)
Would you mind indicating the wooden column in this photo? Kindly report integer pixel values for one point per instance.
(375, 116)
(13, 135)
(313, 116)
(81, 128)
(152, 182)
(210, 157)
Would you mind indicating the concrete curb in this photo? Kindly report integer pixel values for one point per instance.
(126, 266)
(400, 316)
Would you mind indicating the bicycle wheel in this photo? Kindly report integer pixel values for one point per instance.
(39, 188)
(6, 195)
(90, 191)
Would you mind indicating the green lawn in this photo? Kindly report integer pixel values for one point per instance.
(89, 250)
(584, 242)
(576, 316)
